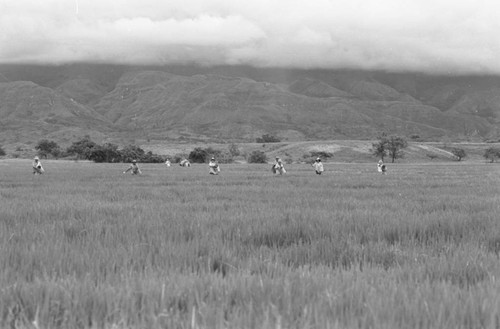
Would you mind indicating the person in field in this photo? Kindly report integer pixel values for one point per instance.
(37, 166)
(278, 167)
(185, 163)
(167, 163)
(213, 167)
(318, 166)
(134, 168)
(381, 167)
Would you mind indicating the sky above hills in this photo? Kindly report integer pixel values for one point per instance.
(433, 36)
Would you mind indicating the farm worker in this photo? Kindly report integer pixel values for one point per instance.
(278, 167)
(134, 168)
(318, 166)
(213, 166)
(167, 163)
(185, 163)
(381, 167)
(37, 166)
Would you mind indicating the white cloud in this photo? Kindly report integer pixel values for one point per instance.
(437, 35)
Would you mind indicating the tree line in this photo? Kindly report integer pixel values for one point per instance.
(86, 149)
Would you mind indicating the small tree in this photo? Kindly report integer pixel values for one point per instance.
(105, 153)
(257, 157)
(46, 147)
(82, 148)
(132, 152)
(198, 155)
(379, 150)
(234, 150)
(491, 154)
(267, 138)
(391, 146)
(395, 146)
(459, 153)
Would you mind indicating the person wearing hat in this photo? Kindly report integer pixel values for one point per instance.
(213, 167)
(134, 168)
(318, 166)
(381, 167)
(278, 167)
(37, 166)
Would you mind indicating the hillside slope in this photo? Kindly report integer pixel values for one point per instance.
(31, 112)
(129, 104)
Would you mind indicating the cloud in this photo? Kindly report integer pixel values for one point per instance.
(404, 35)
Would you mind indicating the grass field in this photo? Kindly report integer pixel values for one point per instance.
(85, 246)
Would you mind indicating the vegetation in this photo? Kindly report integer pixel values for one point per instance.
(391, 146)
(431, 156)
(459, 153)
(257, 157)
(203, 155)
(89, 247)
(86, 149)
(2, 151)
(268, 138)
(47, 148)
(492, 154)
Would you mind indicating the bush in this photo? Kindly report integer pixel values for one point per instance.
(82, 148)
(459, 153)
(491, 154)
(268, 138)
(198, 155)
(2, 152)
(46, 147)
(257, 157)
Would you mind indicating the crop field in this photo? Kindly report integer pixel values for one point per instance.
(86, 246)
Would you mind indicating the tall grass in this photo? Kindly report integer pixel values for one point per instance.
(85, 246)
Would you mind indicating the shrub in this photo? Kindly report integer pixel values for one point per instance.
(2, 152)
(492, 154)
(459, 153)
(267, 138)
(82, 148)
(46, 147)
(257, 157)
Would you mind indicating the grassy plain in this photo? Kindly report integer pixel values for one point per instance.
(85, 246)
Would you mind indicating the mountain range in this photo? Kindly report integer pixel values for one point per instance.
(125, 104)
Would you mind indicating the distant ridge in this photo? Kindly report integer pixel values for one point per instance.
(119, 103)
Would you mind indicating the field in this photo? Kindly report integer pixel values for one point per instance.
(85, 246)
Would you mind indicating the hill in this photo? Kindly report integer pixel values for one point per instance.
(237, 104)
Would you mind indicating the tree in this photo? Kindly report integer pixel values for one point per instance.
(2, 152)
(198, 155)
(202, 155)
(491, 154)
(257, 157)
(459, 153)
(234, 150)
(395, 146)
(105, 153)
(391, 146)
(46, 147)
(267, 138)
(379, 150)
(82, 148)
(132, 152)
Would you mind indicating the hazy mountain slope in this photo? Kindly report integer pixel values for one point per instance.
(205, 106)
(30, 112)
(242, 103)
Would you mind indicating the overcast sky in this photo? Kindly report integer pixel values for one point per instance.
(455, 36)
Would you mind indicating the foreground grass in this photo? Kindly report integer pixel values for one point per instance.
(85, 246)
